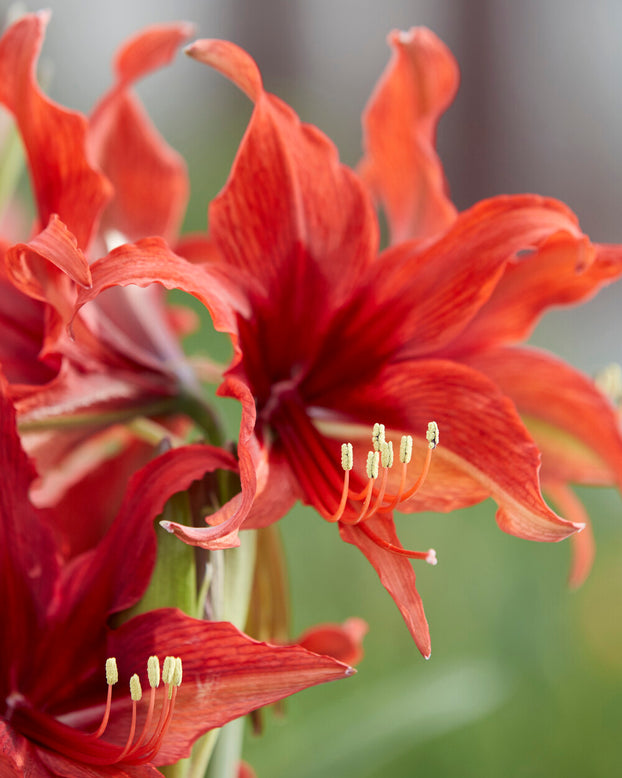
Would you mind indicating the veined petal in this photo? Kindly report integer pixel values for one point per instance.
(575, 426)
(149, 178)
(481, 433)
(292, 220)
(55, 245)
(226, 673)
(64, 181)
(28, 564)
(400, 164)
(396, 574)
(563, 271)
(418, 297)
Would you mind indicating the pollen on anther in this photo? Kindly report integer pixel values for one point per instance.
(153, 671)
(177, 672)
(347, 456)
(431, 558)
(373, 460)
(377, 436)
(136, 691)
(168, 668)
(386, 454)
(432, 434)
(406, 449)
(112, 673)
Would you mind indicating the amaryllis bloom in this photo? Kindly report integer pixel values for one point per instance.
(57, 715)
(575, 426)
(336, 343)
(98, 182)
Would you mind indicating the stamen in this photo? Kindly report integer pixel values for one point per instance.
(377, 436)
(383, 503)
(153, 676)
(432, 434)
(112, 677)
(136, 694)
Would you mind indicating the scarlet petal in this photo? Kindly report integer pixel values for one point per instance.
(396, 574)
(401, 164)
(226, 673)
(562, 272)
(343, 642)
(64, 181)
(583, 543)
(287, 196)
(574, 424)
(149, 178)
(481, 435)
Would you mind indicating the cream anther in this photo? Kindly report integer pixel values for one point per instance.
(377, 436)
(406, 449)
(177, 673)
(136, 691)
(432, 434)
(386, 454)
(373, 460)
(347, 456)
(168, 668)
(112, 674)
(153, 671)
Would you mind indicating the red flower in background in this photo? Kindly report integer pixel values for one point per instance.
(58, 637)
(331, 337)
(97, 182)
(574, 425)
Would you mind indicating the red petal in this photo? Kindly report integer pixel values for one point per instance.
(149, 178)
(289, 201)
(481, 436)
(574, 425)
(432, 291)
(18, 756)
(343, 642)
(55, 139)
(400, 164)
(225, 673)
(561, 272)
(583, 544)
(28, 564)
(396, 574)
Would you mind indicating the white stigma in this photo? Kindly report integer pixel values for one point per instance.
(432, 434)
(431, 557)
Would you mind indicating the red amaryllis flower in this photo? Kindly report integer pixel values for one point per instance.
(574, 425)
(97, 182)
(54, 719)
(331, 337)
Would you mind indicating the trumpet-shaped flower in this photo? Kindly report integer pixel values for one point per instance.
(574, 424)
(59, 650)
(345, 358)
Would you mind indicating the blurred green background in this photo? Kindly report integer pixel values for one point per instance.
(525, 677)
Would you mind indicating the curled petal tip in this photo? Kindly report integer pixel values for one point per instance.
(427, 656)
(350, 671)
(167, 526)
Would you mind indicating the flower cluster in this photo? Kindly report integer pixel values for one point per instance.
(370, 379)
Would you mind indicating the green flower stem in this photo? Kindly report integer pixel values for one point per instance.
(230, 602)
(173, 582)
(105, 418)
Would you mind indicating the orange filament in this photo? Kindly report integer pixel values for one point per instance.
(383, 502)
(136, 751)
